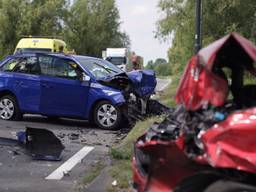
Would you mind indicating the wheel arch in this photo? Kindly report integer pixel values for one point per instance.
(8, 92)
(17, 113)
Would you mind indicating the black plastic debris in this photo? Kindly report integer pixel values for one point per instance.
(136, 111)
(157, 108)
(41, 143)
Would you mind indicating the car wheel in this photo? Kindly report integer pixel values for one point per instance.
(9, 108)
(229, 186)
(107, 115)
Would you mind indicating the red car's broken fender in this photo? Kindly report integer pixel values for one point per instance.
(231, 143)
(157, 178)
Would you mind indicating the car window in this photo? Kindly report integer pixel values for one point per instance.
(22, 65)
(33, 50)
(99, 68)
(10, 64)
(58, 67)
(27, 65)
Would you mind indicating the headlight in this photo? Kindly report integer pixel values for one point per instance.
(142, 161)
(109, 92)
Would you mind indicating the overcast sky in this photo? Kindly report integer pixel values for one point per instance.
(138, 21)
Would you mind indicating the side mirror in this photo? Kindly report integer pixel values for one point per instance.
(85, 77)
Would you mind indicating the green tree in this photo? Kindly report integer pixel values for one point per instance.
(93, 25)
(88, 26)
(10, 14)
(160, 61)
(161, 67)
(29, 17)
(150, 65)
(219, 18)
(46, 17)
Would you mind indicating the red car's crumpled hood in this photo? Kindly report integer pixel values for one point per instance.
(199, 85)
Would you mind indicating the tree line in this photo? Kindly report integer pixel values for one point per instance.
(161, 67)
(88, 26)
(218, 19)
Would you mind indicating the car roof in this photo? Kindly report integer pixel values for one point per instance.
(60, 55)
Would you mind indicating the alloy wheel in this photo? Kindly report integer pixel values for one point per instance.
(107, 115)
(6, 108)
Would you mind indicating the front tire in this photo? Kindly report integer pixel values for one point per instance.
(107, 116)
(9, 108)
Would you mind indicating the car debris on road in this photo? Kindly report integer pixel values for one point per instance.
(208, 140)
(41, 143)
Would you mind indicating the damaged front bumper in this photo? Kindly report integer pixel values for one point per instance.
(136, 87)
(137, 109)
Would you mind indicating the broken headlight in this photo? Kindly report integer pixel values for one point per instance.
(142, 161)
(132, 97)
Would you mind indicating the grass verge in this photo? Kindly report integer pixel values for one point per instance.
(167, 97)
(121, 169)
(93, 173)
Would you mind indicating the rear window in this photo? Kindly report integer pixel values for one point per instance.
(33, 50)
(9, 65)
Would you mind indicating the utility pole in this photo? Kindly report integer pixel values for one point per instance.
(198, 38)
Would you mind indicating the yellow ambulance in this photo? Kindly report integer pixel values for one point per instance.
(38, 44)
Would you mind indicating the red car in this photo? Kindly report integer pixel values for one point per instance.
(208, 142)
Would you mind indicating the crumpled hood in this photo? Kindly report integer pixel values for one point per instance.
(143, 81)
(200, 83)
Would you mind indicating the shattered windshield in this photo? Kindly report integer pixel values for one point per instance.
(99, 68)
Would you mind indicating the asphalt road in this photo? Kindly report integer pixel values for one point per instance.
(162, 84)
(21, 173)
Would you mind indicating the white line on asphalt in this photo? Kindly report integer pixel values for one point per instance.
(69, 164)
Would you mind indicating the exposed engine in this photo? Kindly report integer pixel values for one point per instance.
(190, 123)
(137, 88)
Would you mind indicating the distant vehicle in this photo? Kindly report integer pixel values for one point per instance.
(40, 44)
(122, 58)
(116, 56)
(58, 85)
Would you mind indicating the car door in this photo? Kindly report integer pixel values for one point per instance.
(62, 93)
(23, 79)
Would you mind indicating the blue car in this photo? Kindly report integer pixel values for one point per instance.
(73, 86)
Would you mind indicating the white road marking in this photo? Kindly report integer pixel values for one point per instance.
(69, 164)
(162, 84)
